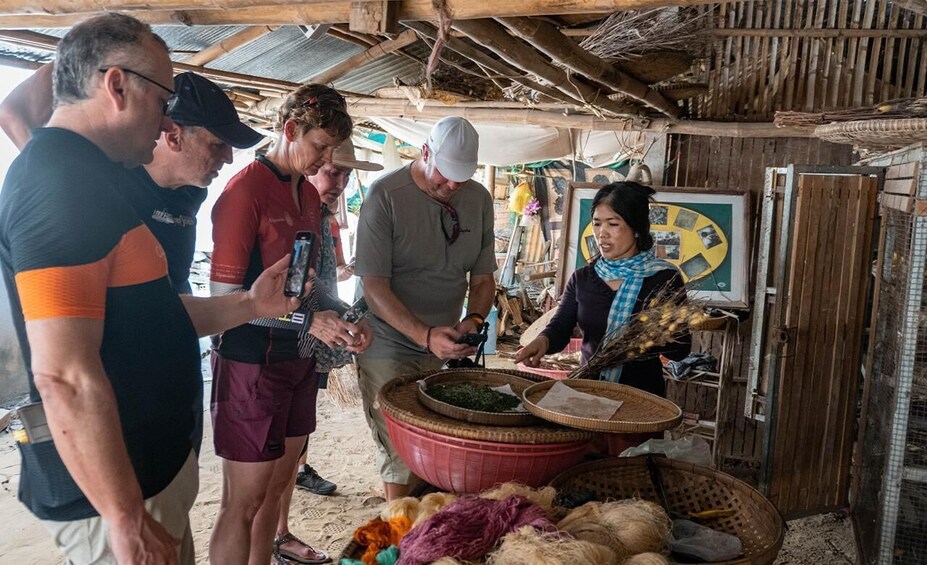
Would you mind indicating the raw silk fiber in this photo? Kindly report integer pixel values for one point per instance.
(469, 528)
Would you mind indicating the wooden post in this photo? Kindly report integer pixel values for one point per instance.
(374, 17)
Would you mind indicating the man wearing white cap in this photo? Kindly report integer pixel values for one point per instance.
(423, 229)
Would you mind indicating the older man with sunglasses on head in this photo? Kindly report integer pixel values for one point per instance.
(424, 243)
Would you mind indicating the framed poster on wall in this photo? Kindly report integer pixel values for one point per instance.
(702, 232)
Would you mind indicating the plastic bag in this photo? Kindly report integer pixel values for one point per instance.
(565, 400)
(691, 449)
(688, 539)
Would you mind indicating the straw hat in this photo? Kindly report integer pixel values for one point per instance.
(345, 157)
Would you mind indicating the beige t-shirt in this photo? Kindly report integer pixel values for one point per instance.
(401, 236)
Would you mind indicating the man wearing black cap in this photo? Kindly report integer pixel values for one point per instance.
(187, 157)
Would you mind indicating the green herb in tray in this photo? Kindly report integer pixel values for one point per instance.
(474, 397)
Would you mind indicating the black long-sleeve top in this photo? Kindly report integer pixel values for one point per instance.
(587, 301)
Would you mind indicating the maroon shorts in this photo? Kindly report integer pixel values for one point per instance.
(255, 407)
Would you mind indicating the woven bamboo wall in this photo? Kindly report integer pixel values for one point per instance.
(810, 55)
(737, 164)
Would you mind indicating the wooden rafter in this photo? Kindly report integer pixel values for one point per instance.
(404, 39)
(545, 37)
(493, 37)
(285, 12)
(228, 45)
(484, 60)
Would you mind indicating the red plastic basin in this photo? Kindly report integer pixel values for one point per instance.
(467, 466)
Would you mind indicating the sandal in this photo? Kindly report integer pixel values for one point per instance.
(319, 556)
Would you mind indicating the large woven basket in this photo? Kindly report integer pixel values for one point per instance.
(486, 378)
(875, 134)
(689, 488)
(641, 412)
(399, 400)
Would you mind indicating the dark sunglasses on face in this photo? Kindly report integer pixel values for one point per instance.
(449, 212)
(168, 104)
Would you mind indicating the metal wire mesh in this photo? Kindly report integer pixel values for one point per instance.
(891, 510)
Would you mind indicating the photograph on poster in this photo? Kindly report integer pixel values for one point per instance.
(702, 232)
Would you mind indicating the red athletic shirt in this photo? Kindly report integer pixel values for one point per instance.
(254, 224)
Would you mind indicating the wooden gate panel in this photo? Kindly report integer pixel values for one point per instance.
(823, 320)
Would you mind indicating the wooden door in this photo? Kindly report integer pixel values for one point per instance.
(821, 272)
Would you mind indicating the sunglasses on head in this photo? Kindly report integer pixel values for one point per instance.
(317, 101)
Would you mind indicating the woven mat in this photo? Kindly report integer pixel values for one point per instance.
(399, 399)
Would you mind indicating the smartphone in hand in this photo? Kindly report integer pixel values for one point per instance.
(300, 258)
(356, 312)
(471, 339)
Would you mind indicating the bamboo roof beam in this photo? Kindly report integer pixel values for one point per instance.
(545, 37)
(66, 13)
(382, 49)
(493, 37)
(228, 45)
(379, 108)
(479, 57)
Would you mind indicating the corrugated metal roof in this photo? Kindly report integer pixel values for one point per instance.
(286, 54)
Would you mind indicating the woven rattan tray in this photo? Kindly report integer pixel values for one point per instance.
(689, 488)
(486, 378)
(399, 399)
(641, 412)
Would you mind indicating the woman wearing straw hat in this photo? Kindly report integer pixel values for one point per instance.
(602, 296)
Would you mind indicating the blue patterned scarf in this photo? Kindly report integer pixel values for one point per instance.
(631, 271)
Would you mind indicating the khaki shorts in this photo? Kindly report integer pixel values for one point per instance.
(86, 542)
(373, 374)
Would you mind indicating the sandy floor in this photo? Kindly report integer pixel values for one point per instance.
(342, 451)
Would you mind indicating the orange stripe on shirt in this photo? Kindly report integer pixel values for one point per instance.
(64, 292)
(79, 291)
(137, 258)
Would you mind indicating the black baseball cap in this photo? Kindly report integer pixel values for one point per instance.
(200, 102)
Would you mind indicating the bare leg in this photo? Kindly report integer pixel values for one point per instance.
(244, 486)
(265, 521)
(395, 490)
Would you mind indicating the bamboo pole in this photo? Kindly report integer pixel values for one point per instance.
(228, 45)
(545, 38)
(492, 36)
(817, 33)
(378, 108)
(65, 13)
(404, 39)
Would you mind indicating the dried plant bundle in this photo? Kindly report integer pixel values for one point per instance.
(343, 389)
(900, 108)
(668, 316)
(627, 34)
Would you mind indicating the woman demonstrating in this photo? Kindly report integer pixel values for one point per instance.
(265, 385)
(602, 296)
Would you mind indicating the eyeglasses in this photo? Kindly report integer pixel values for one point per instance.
(168, 104)
(450, 235)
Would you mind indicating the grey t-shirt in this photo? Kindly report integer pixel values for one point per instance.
(400, 236)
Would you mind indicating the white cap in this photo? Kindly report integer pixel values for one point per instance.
(454, 143)
(345, 157)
